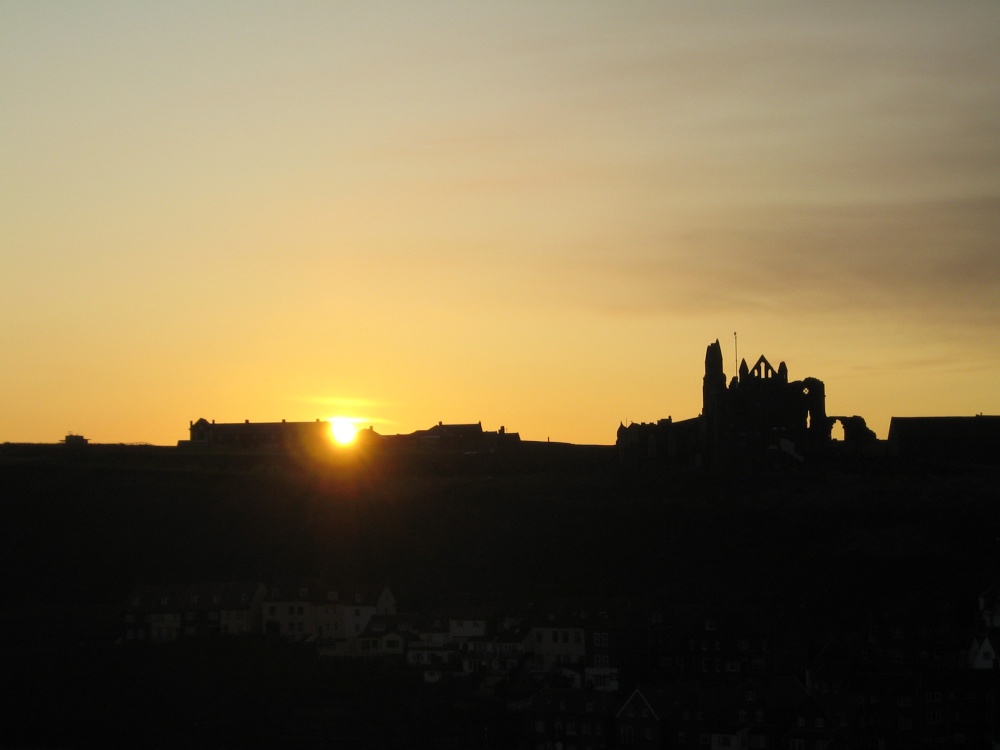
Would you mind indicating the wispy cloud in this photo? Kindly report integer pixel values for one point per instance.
(934, 259)
(342, 402)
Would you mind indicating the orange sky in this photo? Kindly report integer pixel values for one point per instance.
(531, 214)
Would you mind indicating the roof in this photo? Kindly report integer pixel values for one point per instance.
(319, 591)
(380, 625)
(655, 699)
(570, 701)
(194, 597)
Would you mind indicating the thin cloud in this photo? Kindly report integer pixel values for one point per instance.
(342, 402)
(934, 259)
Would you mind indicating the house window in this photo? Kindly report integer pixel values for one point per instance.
(555, 636)
(539, 726)
(649, 733)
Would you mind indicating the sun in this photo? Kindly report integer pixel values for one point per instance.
(343, 430)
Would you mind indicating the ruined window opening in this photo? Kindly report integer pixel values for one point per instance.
(837, 431)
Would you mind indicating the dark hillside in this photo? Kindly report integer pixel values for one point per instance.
(811, 554)
(824, 547)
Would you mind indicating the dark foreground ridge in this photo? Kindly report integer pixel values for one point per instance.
(523, 592)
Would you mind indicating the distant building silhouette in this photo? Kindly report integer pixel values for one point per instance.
(463, 437)
(313, 437)
(259, 436)
(760, 415)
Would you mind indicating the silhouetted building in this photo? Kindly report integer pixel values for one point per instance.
(266, 436)
(759, 416)
(469, 438)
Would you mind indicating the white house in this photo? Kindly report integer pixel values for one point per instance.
(314, 609)
(982, 654)
(556, 639)
(161, 614)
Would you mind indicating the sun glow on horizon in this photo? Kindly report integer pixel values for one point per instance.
(343, 430)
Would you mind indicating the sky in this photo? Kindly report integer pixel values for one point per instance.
(529, 214)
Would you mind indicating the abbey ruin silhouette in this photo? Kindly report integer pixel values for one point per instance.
(760, 415)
